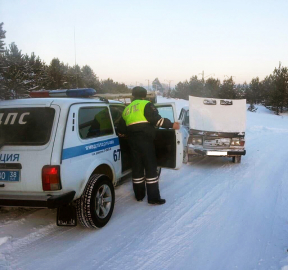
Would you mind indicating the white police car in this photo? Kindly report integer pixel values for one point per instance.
(64, 153)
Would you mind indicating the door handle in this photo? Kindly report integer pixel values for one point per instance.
(2, 185)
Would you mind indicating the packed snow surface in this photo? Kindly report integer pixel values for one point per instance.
(218, 216)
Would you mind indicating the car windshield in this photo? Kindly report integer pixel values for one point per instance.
(25, 126)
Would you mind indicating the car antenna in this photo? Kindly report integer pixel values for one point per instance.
(75, 59)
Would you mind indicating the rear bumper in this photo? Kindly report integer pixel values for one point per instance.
(220, 153)
(54, 201)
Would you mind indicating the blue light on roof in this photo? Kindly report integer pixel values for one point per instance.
(83, 92)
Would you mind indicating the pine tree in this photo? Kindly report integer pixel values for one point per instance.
(17, 75)
(55, 75)
(2, 62)
(182, 90)
(157, 86)
(280, 94)
(89, 78)
(109, 86)
(253, 93)
(228, 89)
(212, 88)
(196, 87)
(38, 72)
(2, 37)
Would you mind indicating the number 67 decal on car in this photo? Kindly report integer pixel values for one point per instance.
(116, 154)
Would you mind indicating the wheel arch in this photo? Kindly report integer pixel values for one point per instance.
(106, 170)
(99, 167)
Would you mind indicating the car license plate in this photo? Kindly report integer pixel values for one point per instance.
(217, 142)
(10, 175)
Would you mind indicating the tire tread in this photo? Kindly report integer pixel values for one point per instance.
(84, 202)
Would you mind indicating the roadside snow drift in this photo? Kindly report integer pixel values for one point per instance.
(218, 215)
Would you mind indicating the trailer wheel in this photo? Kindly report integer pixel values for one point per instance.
(236, 159)
(95, 206)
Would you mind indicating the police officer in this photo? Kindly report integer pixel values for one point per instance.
(139, 120)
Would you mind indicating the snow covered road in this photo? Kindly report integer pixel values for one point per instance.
(218, 215)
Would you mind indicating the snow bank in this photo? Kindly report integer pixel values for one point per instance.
(3, 240)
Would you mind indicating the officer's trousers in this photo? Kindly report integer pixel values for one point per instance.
(144, 167)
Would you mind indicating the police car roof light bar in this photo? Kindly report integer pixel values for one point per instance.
(81, 92)
(39, 94)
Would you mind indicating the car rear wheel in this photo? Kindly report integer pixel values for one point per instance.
(95, 206)
(236, 159)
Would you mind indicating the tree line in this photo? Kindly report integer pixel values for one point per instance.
(272, 91)
(21, 73)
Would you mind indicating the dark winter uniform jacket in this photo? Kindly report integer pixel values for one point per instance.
(146, 129)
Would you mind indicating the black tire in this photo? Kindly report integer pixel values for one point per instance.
(91, 206)
(236, 159)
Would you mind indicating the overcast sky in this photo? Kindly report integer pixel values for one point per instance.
(131, 41)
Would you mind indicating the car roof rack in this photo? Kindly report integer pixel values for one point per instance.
(102, 99)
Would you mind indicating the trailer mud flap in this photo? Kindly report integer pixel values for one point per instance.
(66, 216)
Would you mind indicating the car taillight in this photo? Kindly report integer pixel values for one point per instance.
(237, 142)
(195, 140)
(51, 178)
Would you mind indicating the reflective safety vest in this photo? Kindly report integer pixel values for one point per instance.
(134, 113)
(103, 118)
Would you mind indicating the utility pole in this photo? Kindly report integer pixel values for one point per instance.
(202, 75)
(169, 81)
(148, 84)
(229, 77)
(169, 91)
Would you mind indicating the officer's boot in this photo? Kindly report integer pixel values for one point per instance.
(139, 190)
(153, 194)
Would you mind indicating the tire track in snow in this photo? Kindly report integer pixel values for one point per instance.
(210, 199)
(199, 214)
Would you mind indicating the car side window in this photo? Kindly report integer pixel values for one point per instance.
(166, 111)
(94, 122)
(186, 118)
(116, 113)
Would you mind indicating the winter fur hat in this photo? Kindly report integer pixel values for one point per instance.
(139, 92)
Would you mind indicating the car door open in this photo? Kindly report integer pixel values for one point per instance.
(168, 142)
